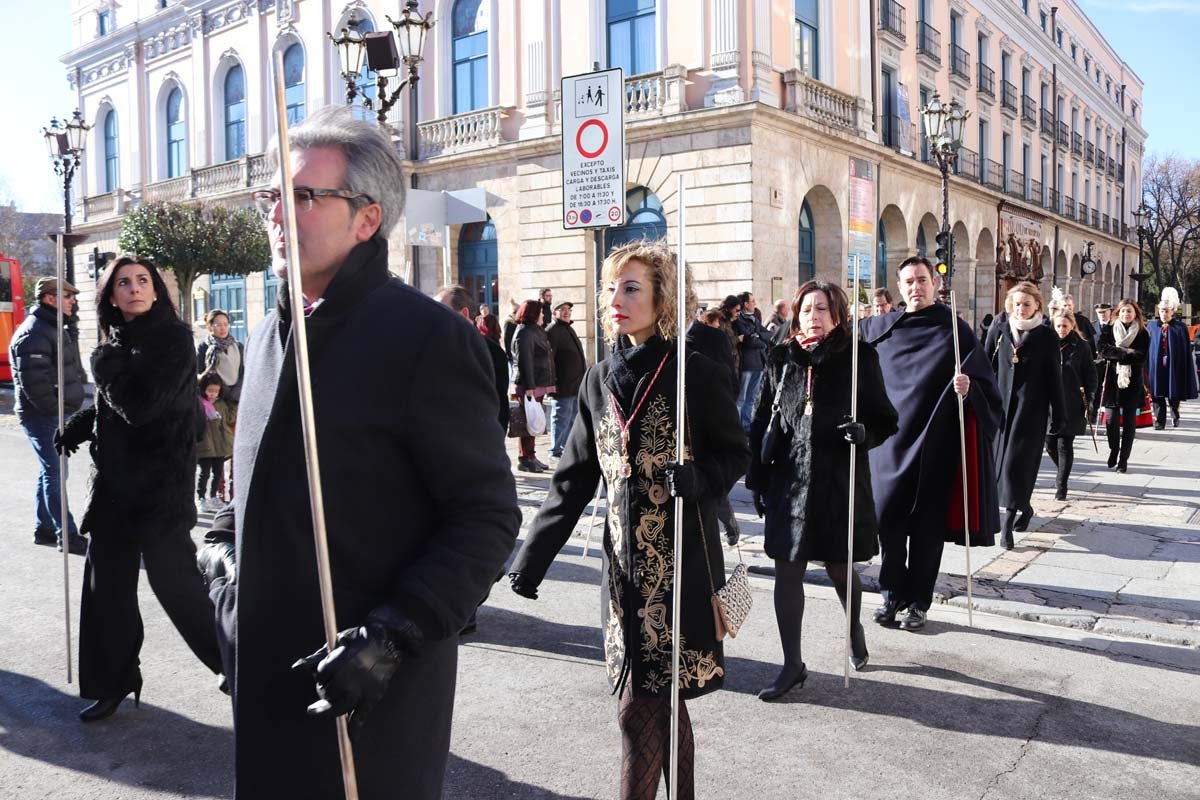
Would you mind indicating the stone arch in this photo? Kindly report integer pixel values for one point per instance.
(1060, 269)
(895, 247)
(1047, 270)
(964, 267)
(923, 236)
(1073, 283)
(987, 287)
(828, 244)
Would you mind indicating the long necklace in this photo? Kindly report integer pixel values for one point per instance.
(808, 403)
(623, 424)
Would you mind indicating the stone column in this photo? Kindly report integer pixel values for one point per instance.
(533, 29)
(763, 80)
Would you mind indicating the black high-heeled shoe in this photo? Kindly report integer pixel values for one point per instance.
(1022, 523)
(1006, 533)
(102, 709)
(778, 690)
(1113, 455)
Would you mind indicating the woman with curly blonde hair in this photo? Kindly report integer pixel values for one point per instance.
(625, 435)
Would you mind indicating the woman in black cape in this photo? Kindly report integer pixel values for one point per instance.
(804, 489)
(626, 434)
(1025, 356)
(143, 447)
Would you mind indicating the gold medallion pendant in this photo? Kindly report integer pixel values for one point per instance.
(626, 470)
(808, 409)
(1016, 357)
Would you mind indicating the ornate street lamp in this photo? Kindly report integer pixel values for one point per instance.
(65, 141)
(944, 124)
(385, 60)
(1141, 218)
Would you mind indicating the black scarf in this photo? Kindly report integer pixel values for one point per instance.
(631, 364)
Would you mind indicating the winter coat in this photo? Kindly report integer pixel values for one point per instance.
(533, 358)
(218, 433)
(510, 329)
(755, 342)
(731, 335)
(808, 487)
(1086, 332)
(421, 513)
(1078, 382)
(1032, 392)
(33, 353)
(1176, 379)
(714, 344)
(1113, 355)
(142, 429)
(569, 360)
(916, 474)
(500, 377)
(206, 356)
(639, 529)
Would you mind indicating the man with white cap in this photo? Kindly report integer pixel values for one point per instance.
(1169, 364)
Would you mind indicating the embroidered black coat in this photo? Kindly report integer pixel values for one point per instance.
(421, 512)
(1078, 373)
(639, 530)
(807, 490)
(1112, 356)
(142, 428)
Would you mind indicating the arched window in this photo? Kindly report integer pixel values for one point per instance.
(176, 149)
(235, 113)
(645, 219)
(808, 248)
(807, 38)
(293, 83)
(631, 43)
(921, 241)
(366, 78)
(470, 53)
(112, 171)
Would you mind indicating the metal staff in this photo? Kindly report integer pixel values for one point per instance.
(308, 421)
(1086, 419)
(853, 471)
(587, 541)
(680, 444)
(962, 443)
(64, 539)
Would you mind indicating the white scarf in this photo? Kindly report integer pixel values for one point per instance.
(1124, 337)
(1019, 327)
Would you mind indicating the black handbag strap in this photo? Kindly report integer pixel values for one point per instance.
(779, 388)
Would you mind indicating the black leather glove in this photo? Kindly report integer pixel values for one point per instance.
(853, 432)
(522, 586)
(355, 676)
(760, 505)
(63, 447)
(217, 562)
(76, 430)
(684, 480)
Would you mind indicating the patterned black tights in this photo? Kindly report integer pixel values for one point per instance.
(646, 746)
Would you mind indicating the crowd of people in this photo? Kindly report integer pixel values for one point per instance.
(405, 389)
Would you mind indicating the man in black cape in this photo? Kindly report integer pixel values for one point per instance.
(915, 474)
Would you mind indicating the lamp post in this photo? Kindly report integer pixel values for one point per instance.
(944, 123)
(1141, 218)
(65, 141)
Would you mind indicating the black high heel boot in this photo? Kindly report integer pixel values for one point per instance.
(1022, 523)
(102, 709)
(1006, 535)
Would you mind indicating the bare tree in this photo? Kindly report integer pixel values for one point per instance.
(1171, 189)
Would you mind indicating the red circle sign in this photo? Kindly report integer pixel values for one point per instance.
(603, 140)
(572, 217)
(614, 213)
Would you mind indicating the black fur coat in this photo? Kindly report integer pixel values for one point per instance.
(142, 428)
(807, 490)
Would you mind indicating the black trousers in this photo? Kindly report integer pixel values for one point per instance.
(110, 624)
(911, 555)
(1121, 436)
(209, 466)
(1160, 410)
(1061, 450)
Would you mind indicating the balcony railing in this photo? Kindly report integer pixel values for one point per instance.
(1055, 200)
(1016, 184)
(960, 62)
(929, 42)
(1077, 144)
(1047, 122)
(474, 130)
(1112, 167)
(819, 102)
(985, 80)
(1028, 110)
(103, 206)
(1008, 96)
(1104, 223)
(229, 177)
(1083, 213)
(1100, 159)
(993, 175)
(1064, 135)
(1089, 153)
(1069, 207)
(1036, 193)
(645, 95)
(968, 164)
(899, 134)
(891, 18)
(1120, 173)
(1095, 218)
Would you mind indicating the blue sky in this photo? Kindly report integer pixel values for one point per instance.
(1159, 39)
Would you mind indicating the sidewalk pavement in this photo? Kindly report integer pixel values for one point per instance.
(1120, 556)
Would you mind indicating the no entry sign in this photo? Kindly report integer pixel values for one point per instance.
(593, 149)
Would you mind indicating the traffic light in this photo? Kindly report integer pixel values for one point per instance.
(945, 250)
(97, 261)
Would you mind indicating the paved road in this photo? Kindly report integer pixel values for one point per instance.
(1010, 709)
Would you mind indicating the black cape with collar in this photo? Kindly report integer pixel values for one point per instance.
(1177, 381)
(917, 471)
(421, 511)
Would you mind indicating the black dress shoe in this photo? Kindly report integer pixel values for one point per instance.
(1175, 419)
(1113, 455)
(1060, 493)
(1158, 426)
(885, 615)
(76, 544)
(914, 620)
(526, 465)
(45, 536)
(782, 686)
(102, 709)
(1122, 467)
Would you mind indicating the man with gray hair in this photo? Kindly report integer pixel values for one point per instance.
(420, 503)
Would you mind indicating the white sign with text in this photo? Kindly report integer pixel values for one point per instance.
(593, 149)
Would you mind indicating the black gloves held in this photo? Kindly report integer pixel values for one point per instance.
(217, 562)
(760, 505)
(355, 676)
(522, 586)
(76, 430)
(63, 447)
(853, 432)
(684, 480)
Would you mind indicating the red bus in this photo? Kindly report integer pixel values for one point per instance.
(12, 309)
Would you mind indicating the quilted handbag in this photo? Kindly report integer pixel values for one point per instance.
(731, 603)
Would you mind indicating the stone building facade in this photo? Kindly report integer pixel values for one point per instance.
(759, 104)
